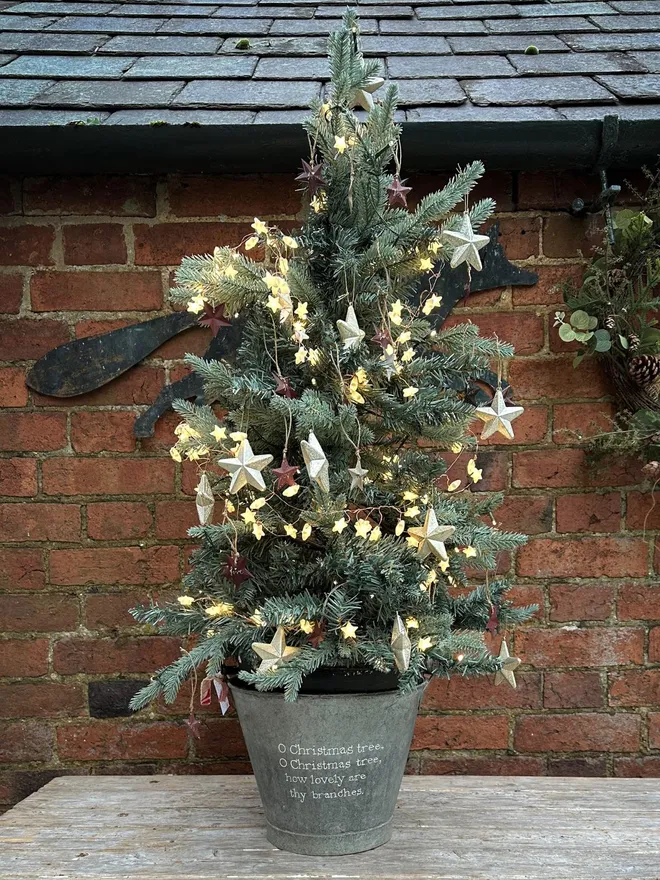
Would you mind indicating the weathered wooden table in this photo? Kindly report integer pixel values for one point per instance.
(191, 828)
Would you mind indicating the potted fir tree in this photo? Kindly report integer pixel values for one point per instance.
(337, 540)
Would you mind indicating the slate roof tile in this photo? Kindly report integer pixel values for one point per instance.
(244, 62)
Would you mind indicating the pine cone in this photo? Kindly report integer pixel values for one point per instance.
(643, 369)
(633, 342)
(610, 322)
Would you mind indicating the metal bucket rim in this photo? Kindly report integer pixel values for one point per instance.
(280, 696)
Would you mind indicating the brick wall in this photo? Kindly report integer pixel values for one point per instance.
(92, 520)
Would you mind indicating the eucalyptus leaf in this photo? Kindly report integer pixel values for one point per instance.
(566, 333)
(583, 336)
(580, 320)
(623, 342)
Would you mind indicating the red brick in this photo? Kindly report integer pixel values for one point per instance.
(544, 191)
(111, 610)
(581, 602)
(493, 464)
(122, 195)
(479, 693)
(568, 236)
(22, 570)
(531, 514)
(573, 422)
(95, 326)
(641, 511)
(23, 657)
(605, 646)
(139, 385)
(654, 645)
(25, 700)
(118, 520)
(18, 477)
(25, 741)
(163, 437)
(577, 766)
(635, 687)
(520, 236)
(497, 185)
(523, 329)
(103, 431)
(11, 293)
(654, 730)
(111, 740)
(26, 245)
(530, 427)
(548, 290)
(37, 432)
(461, 732)
(584, 557)
(648, 767)
(45, 613)
(114, 565)
(589, 513)
(96, 291)
(498, 765)
(13, 390)
(174, 518)
(26, 339)
(94, 244)
(167, 243)
(638, 602)
(233, 195)
(555, 377)
(39, 522)
(528, 594)
(221, 738)
(105, 476)
(585, 732)
(110, 656)
(568, 468)
(572, 690)
(656, 557)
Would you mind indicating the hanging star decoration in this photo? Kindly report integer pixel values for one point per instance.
(283, 386)
(318, 634)
(364, 96)
(432, 537)
(397, 194)
(493, 622)
(509, 665)
(204, 501)
(312, 176)
(316, 462)
(245, 468)
(236, 570)
(285, 474)
(388, 364)
(358, 473)
(498, 416)
(214, 318)
(466, 244)
(401, 646)
(275, 652)
(349, 330)
(382, 338)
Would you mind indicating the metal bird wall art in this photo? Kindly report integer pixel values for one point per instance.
(84, 365)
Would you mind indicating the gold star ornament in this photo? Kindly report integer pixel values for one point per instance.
(275, 652)
(364, 96)
(246, 468)
(509, 665)
(401, 646)
(316, 462)
(349, 330)
(431, 537)
(466, 244)
(498, 416)
(204, 501)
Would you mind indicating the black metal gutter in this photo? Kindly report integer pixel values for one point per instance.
(429, 144)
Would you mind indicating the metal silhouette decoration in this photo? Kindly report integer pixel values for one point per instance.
(84, 365)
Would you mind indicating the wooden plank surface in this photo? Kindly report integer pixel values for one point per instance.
(449, 828)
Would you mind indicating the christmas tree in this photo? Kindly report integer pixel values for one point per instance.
(336, 529)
